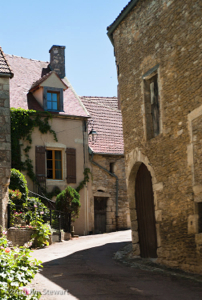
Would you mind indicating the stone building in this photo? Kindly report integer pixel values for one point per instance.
(43, 86)
(5, 147)
(109, 208)
(157, 46)
(35, 85)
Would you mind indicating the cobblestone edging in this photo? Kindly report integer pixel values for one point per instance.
(125, 256)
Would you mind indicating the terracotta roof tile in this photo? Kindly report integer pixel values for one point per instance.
(107, 120)
(28, 71)
(4, 66)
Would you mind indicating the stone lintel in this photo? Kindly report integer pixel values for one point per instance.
(101, 194)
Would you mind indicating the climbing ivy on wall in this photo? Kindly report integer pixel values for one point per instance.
(23, 123)
(85, 180)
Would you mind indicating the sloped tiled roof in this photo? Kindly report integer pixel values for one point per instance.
(107, 122)
(28, 71)
(4, 66)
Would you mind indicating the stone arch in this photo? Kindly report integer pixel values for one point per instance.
(134, 159)
(101, 189)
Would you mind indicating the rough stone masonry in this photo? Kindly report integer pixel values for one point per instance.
(163, 38)
(5, 140)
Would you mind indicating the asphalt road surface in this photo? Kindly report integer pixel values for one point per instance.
(84, 269)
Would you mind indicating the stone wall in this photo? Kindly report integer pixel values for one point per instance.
(104, 185)
(5, 148)
(165, 35)
(19, 236)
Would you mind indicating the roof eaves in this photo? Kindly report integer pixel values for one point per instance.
(111, 28)
(91, 151)
(107, 153)
(11, 74)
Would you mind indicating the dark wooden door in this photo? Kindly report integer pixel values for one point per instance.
(100, 204)
(145, 213)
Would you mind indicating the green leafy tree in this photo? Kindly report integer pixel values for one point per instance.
(18, 182)
(68, 201)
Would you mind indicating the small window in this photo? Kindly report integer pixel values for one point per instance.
(154, 104)
(111, 167)
(151, 102)
(54, 164)
(53, 101)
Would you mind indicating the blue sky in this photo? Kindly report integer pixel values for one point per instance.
(30, 28)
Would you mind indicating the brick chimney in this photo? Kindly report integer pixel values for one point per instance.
(57, 60)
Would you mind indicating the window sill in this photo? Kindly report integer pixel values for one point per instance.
(55, 181)
(54, 110)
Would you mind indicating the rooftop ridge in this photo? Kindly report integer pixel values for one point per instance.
(11, 55)
(113, 97)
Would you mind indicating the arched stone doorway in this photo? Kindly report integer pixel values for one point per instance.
(145, 212)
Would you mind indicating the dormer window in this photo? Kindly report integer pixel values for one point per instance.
(48, 91)
(53, 101)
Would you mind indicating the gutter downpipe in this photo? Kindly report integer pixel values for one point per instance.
(117, 183)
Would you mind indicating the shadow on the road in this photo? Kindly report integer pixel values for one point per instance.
(92, 274)
(88, 273)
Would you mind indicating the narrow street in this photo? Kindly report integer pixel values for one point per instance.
(86, 268)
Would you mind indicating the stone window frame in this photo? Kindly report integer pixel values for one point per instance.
(147, 104)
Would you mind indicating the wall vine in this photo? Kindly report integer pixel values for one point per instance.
(85, 180)
(23, 123)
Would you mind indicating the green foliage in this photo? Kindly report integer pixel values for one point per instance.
(86, 179)
(68, 201)
(16, 271)
(42, 233)
(31, 214)
(18, 182)
(23, 123)
(35, 210)
(15, 195)
(28, 212)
